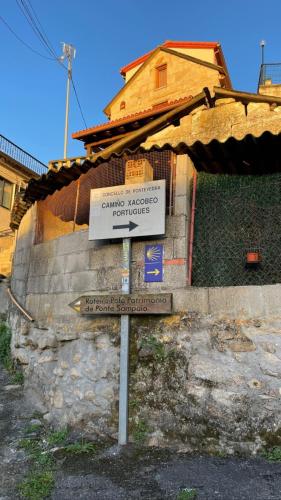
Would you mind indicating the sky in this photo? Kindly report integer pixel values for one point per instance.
(107, 35)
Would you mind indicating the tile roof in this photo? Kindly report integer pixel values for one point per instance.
(170, 44)
(160, 108)
(235, 150)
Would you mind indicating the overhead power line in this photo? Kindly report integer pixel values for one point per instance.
(29, 13)
(42, 29)
(23, 42)
(38, 30)
(77, 99)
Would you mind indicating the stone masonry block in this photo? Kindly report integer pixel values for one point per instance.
(257, 109)
(224, 101)
(20, 272)
(106, 256)
(181, 175)
(38, 284)
(271, 297)
(59, 283)
(256, 126)
(38, 267)
(19, 288)
(108, 279)
(76, 262)
(218, 120)
(184, 173)
(83, 281)
(180, 248)
(242, 301)
(71, 242)
(191, 299)
(33, 305)
(175, 275)
(181, 205)
(18, 257)
(44, 250)
(3, 298)
(176, 226)
(56, 265)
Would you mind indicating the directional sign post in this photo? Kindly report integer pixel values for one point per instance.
(124, 348)
(127, 211)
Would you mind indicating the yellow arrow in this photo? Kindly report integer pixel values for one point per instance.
(156, 272)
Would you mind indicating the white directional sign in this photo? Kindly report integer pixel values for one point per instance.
(127, 211)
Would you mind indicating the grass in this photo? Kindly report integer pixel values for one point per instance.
(58, 437)
(187, 494)
(32, 428)
(134, 403)
(39, 482)
(17, 377)
(37, 485)
(5, 354)
(5, 346)
(273, 455)
(140, 431)
(156, 347)
(77, 448)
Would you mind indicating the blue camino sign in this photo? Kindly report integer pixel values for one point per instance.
(153, 263)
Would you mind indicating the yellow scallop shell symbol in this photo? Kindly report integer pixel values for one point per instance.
(153, 253)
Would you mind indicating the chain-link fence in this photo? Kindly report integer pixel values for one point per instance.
(68, 209)
(236, 215)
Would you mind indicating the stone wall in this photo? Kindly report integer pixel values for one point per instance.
(3, 299)
(205, 378)
(184, 79)
(227, 119)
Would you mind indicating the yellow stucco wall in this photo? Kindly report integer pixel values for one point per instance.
(203, 54)
(10, 174)
(184, 78)
(6, 252)
(5, 216)
(270, 90)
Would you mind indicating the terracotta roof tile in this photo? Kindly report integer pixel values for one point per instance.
(159, 108)
(170, 44)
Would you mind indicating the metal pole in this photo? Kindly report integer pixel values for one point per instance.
(124, 348)
(69, 54)
(262, 44)
(69, 71)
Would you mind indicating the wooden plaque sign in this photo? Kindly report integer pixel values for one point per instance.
(124, 304)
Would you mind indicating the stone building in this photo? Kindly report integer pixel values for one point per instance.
(16, 168)
(206, 377)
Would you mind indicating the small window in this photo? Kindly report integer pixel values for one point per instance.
(161, 76)
(122, 105)
(6, 192)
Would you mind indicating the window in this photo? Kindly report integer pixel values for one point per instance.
(161, 76)
(122, 105)
(6, 192)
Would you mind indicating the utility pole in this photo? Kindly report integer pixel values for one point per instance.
(68, 53)
(262, 44)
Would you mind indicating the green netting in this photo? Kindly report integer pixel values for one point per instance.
(235, 215)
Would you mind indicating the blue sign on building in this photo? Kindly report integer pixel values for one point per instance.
(153, 263)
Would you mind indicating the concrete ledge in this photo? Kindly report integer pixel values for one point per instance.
(246, 302)
(233, 302)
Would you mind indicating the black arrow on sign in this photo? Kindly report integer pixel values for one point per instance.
(129, 226)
